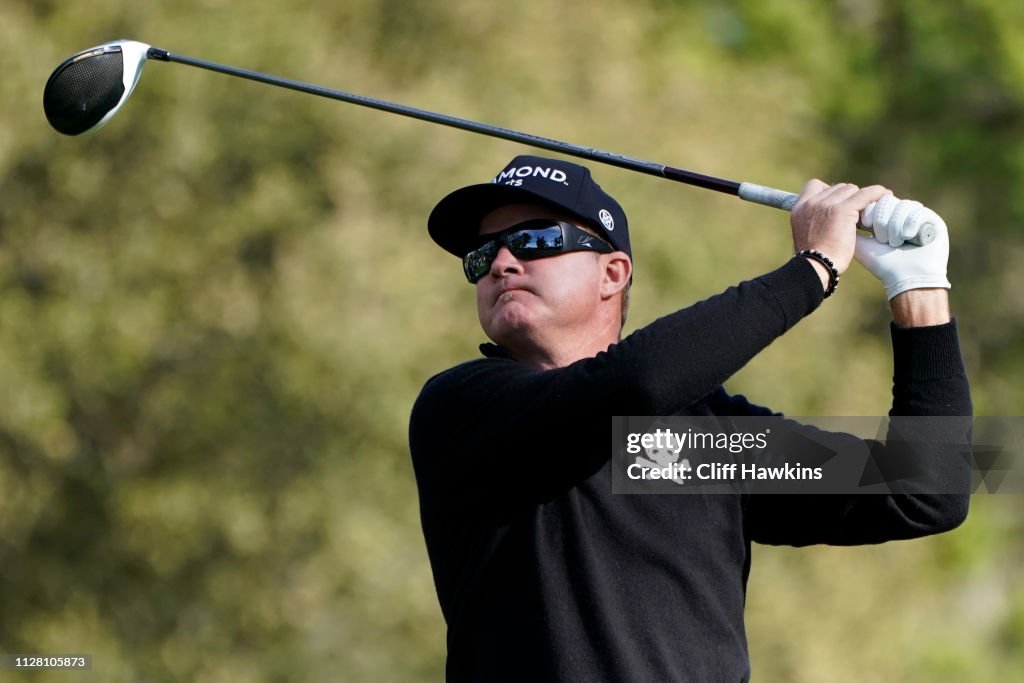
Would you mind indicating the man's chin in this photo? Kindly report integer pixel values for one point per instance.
(509, 328)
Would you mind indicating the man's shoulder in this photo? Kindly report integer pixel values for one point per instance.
(466, 381)
(465, 371)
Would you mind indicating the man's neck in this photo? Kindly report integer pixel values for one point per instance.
(566, 351)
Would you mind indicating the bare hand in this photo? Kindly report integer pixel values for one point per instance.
(825, 217)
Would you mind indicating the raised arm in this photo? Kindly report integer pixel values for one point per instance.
(929, 380)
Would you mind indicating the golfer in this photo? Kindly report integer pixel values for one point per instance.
(541, 572)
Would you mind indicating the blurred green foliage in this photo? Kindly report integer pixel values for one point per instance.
(216, 312)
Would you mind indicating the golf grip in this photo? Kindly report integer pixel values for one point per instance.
(780, 199)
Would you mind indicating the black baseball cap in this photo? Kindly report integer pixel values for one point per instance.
(455, 222)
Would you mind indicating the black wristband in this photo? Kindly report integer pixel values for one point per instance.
(833, 274)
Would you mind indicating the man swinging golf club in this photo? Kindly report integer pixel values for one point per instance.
(541, 572)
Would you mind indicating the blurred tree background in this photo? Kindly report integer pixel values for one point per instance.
(215, 313)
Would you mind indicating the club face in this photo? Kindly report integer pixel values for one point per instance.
(86, 90)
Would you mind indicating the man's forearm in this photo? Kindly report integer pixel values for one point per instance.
(921, 308)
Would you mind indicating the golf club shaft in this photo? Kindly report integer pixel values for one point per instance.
(748, 191)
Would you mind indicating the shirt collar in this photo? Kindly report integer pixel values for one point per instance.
(494, 351)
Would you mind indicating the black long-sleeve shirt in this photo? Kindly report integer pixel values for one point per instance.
(544, 575)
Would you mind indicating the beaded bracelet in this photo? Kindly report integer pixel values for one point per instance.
(833, 274)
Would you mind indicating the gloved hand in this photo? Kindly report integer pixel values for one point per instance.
(901, 266)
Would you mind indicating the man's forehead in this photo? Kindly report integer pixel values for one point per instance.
(507, 215)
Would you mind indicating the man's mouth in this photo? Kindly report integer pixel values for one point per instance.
(506, 294)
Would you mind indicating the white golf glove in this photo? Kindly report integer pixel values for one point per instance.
(901, 266)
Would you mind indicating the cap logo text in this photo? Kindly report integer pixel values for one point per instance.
(606, 220)
(514, 176)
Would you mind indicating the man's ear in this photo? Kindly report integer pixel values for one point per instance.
(618, 269)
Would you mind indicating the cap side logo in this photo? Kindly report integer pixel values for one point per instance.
(606, 219)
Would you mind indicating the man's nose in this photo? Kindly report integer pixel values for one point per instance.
(505, 263)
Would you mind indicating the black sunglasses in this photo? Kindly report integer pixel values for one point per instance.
(537, 238)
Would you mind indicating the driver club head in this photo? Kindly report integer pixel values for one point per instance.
(87, 89)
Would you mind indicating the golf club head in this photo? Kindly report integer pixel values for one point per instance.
(87, 89)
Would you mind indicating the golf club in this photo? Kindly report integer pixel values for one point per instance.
(87, 89)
